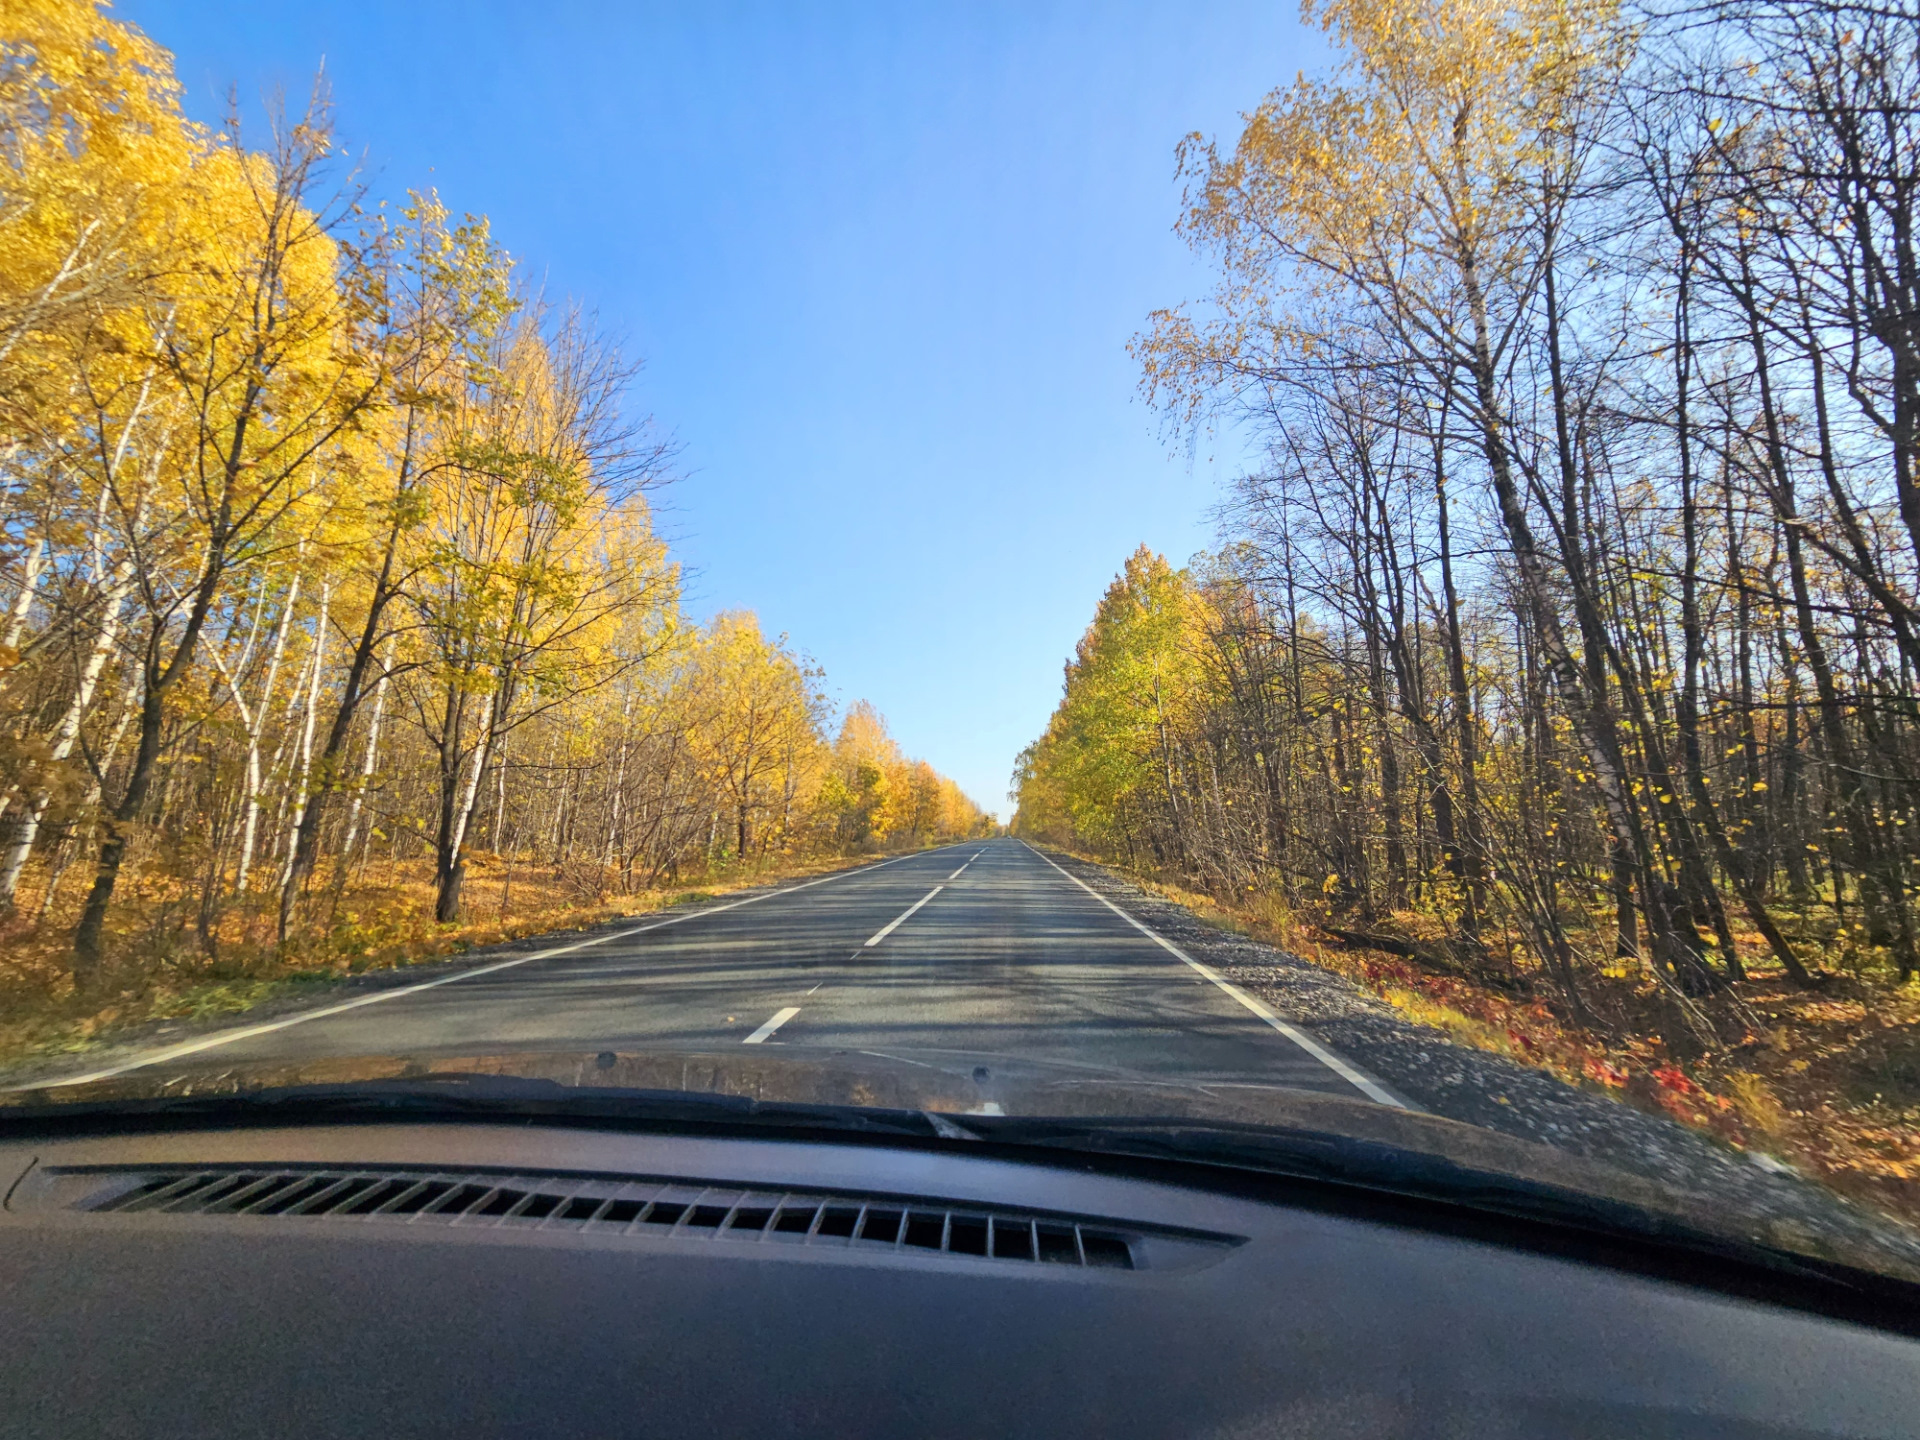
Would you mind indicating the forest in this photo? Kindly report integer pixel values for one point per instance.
(334, 607)
(1562, 644)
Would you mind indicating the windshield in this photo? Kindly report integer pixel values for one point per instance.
(485, 548)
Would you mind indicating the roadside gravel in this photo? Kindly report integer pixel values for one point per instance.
(1756, 1193)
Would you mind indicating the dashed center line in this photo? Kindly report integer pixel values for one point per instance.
(780, 1017)
(901, 919)
(249, 1032)
(956, 874)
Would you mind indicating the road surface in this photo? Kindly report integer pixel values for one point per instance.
(983, 948)
(992, 950)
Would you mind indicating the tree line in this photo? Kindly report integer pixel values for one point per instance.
(1572, 612)
(324, 543)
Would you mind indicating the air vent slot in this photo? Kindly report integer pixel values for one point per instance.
(622, 1205)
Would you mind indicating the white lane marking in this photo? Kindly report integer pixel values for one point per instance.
(228, 1037)
(900, 920)
(956, 874)
(780, 1017)
(1345, 1069)
(901, 1058)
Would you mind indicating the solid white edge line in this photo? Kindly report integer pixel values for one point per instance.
(780, 1017)
(1345, 1069)
(229, 1037)
(900, 920)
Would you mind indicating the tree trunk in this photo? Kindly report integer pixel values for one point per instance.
(450, 860)
(1592, 721)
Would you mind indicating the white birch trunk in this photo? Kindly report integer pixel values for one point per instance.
(256, 722)
(16, 622)
(93, 799)
(368, 765)
(480, 754)
(619, 785)
(300, 795)
(23, 602)
(50, 292)
(68, 731)
(105, 639)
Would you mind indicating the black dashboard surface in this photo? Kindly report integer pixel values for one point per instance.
(1226, 1316)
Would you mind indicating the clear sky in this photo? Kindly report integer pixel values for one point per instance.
(881, 262)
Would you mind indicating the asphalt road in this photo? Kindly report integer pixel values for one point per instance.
(992, 952)
(984, 948)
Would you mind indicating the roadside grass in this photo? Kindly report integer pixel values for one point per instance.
(1826, 1080)
(163, 971)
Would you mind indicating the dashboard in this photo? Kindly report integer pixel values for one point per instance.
(400, 1279)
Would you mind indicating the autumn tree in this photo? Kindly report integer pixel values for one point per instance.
(327, 564)
(1571, 601)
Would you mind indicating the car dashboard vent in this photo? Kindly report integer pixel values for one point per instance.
(615, 1206)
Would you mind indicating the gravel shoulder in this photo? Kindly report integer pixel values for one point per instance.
(1757, 1193)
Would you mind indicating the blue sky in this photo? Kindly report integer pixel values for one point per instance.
(881, 262)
